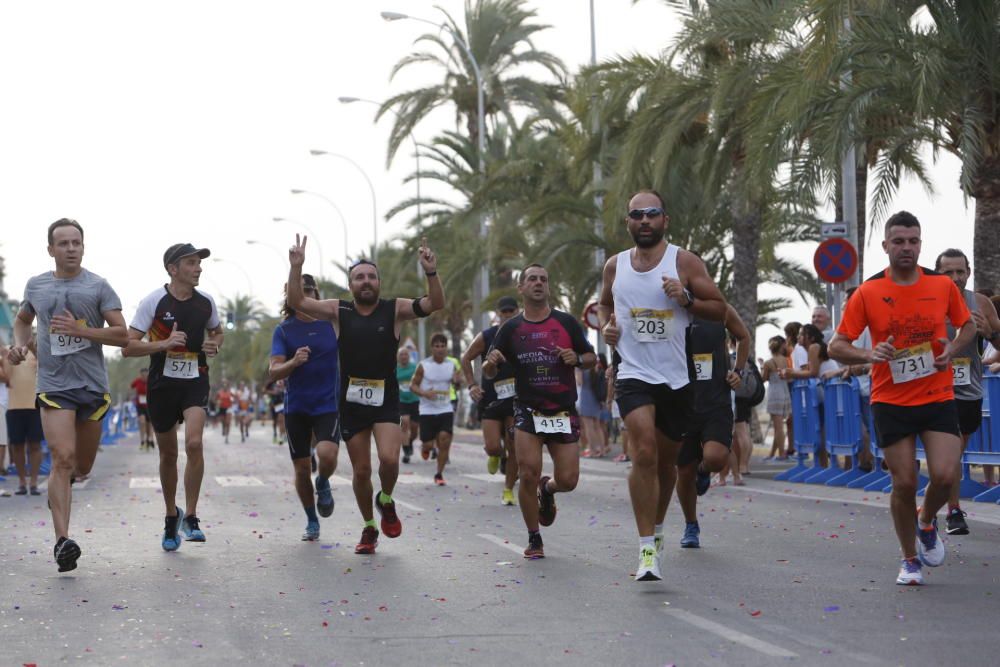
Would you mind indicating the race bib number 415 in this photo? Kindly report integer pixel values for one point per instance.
(62, 344)
(652, 326)
(557, 423)
(912, 363)
(181, 365)
(366, 392)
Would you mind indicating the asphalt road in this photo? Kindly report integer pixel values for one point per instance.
(786, 574)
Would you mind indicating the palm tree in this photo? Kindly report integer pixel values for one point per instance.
(499, 34)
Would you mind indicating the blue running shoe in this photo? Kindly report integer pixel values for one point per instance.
(189, 526)
(324, 496)
(691, 533)
(930, 549)
(312, 532)
(909, 573)
(702, 480)
(172, 537)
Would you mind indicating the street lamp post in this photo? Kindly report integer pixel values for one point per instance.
(220, 260)
(264, 244)
(371, 189)
(421, 324)
(478, 312)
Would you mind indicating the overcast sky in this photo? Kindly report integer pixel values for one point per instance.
(157, 123)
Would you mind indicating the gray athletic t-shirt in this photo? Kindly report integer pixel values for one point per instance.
(66, 362)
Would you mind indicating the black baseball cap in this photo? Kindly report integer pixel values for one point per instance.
(179, 250)
(506, 303)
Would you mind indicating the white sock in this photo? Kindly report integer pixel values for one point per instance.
(658, 530)
(647, 542)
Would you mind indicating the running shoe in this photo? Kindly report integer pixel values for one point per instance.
(692, 531)
(66, 553)
(492, 464)
(391, 525)
(34, 491)
(172, 538)
(649, 565)
(21, 491)
(930, 549)
(434, 454)
(658, 543)
(702, 480)
(425, 452)
(369, 540)
(324, 496)
(546, 503)
(956, 524)
(312, 531)
(909, 573)
(439, 479)
(407, 453)
(190, 528)
(535, 549)
(508, 498)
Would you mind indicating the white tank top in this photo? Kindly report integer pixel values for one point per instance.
(653, 326)
(437, 378)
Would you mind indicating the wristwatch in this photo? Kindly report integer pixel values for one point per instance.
(690, 299)
(579, 359)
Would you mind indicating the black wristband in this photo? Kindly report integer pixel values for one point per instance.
(418, 309)
(430, 273)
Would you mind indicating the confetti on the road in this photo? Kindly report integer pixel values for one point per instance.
(831, 608)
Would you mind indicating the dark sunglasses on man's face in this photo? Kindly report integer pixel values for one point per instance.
(649, 212)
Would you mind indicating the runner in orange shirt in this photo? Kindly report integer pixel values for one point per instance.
(224, 401)
(904, 308)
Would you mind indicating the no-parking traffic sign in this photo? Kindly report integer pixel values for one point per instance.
(835, 260)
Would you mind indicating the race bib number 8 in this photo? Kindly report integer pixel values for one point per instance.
(703, 366)
(366, 392)
(62, 344)
(912, 363)
(652, 326)
(505, 389)
(181, 365)
(960, 371)
(557, 423)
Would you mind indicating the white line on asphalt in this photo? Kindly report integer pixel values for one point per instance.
(144, 483)
(730, 634)
(239, 481)
(800, 638)
(500, 542)
(834, 499)
(44, 484)
(584, 477)
(409, 506)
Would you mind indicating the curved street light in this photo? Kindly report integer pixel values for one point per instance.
(220, 260)
(264, 244)
(371, 189)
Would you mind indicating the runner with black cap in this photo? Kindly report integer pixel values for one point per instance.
(368, 335)
(495, 397)
(170, 326)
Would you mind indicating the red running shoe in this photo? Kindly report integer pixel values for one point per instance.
(535, 549)
(391, 525)
(369, 540)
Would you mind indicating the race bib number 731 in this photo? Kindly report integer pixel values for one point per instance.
(912, 363)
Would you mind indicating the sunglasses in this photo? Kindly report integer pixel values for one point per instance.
(649, 212)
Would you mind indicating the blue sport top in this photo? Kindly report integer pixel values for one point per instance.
(312, 387)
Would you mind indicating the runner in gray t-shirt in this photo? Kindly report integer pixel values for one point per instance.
(72, 305)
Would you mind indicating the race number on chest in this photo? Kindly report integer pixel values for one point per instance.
(181, 365)
(912, 363)
(505, 389)
(63, 344)
(702, 366)
(366, 392)
(652, 326)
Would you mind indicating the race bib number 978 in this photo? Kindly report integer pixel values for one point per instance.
(62, 344)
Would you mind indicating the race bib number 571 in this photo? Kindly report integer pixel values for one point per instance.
(181, 365)
(912, 363)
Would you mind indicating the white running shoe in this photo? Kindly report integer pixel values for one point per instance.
(930, 548)
(909, 573)
(649, 565)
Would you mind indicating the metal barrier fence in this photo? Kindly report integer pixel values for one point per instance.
(827, 415)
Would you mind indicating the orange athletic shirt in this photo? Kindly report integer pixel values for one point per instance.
(912, 314)
(225, 399)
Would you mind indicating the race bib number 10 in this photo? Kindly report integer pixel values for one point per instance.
(181, 365)
(557, 423)
(912, 363)
(62, 344)
(960, 369)
(366, 392)
(652, 326)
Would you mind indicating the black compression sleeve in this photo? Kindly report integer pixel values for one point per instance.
(417, 309)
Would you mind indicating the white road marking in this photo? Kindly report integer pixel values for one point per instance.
(584, 477)
(729, 634)
(239, 481)
(407, 505)
(500, 542)
(144, 483)
(44, 484)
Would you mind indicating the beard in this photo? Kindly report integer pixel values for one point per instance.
(648, 241)
(365, 299)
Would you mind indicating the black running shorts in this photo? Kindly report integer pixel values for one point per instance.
(497, 410)
(167, 404)
(432, 425)
(710, 426)
(88, 405)
(410, 409)
(355, 418)
(24, 425)
(524, 421)
(895, 422)
(673, 406)
(303, 428)
(743, 409)
(970, 415)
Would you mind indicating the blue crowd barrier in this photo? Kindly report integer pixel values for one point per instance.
(805, 427)
(984, 446)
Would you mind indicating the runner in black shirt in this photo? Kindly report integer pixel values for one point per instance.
(543, 346)
(368, 335)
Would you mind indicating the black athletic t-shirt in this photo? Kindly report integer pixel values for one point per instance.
(708, 364)
(542, 381)
(156, 316)
(368, 346)
(504, 371)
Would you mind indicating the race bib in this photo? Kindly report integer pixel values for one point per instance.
(366, 392)
(279, 408)
(181, 365)
(652, 326)
(912, 364)
(441, 398)
(142, 399)
(557, 423)
(505, 389)
(961, 368)
(703, 366)
(62, 344)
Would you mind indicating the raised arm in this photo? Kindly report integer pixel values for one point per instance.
(696, 290)
(321, 309)
(433, 301)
